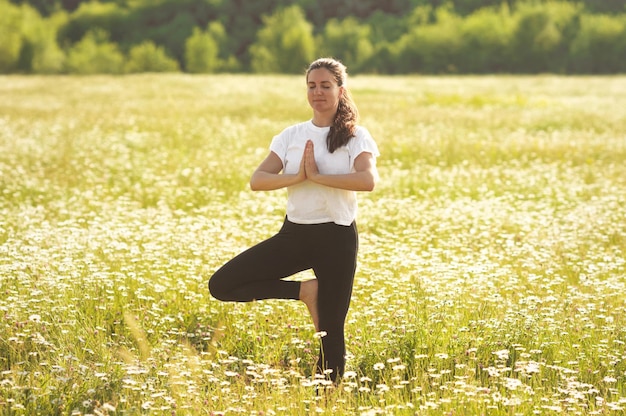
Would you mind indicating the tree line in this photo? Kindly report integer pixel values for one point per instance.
(283, 36)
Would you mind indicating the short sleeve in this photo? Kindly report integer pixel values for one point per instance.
(363, 142)
(279, 146)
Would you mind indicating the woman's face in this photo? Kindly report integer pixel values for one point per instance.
(323, 91)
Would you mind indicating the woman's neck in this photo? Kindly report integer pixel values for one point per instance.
(323, 120)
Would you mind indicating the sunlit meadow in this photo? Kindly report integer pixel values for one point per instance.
(492, 271)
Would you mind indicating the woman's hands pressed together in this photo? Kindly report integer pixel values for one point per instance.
(308, 159)
(363, 178)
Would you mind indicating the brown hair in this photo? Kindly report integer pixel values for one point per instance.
(347, 115)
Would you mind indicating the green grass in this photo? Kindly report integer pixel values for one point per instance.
(492, 267)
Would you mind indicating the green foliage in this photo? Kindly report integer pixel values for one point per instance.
(385, 59)
(201, 53)
(94, 15)
(385, 27)
(320, 11)
(375, 36)
(28, 42)
(10, 36)
(173, 34)
(348, 41)
(467, 7)
(46, 57)
(284, 44)
(600, 45)
(147, 57)
(166, 23)
(486, 36)
(432, 48)
(226, 61)
(44, 7)
(169, 23)
(95, 54)
(543, 35)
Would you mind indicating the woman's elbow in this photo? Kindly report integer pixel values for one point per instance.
(370, 183)
(366, 186)
(255, 182)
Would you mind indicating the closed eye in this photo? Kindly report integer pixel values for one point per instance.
(325, 85)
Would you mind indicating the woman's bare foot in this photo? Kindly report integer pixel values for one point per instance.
(308, 295)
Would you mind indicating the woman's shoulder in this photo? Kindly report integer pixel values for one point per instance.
(363, 141)
(362, 132)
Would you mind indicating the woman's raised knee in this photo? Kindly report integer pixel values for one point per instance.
(217, 289)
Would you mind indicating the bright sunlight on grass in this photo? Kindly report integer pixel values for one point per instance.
(492, 264)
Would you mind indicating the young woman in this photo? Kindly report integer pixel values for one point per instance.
(322, 163)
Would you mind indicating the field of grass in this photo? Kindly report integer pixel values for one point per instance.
(492, 270)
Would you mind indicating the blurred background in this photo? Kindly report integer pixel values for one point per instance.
(282, 36)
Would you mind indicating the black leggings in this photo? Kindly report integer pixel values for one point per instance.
(329, 249)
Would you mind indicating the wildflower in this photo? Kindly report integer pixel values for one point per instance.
(502, 354)
(379, 366)
(349, 374)
(492, 371)
(512, 383)
(532, 367)
(382, 388)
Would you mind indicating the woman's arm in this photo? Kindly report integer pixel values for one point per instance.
(364, 179)
(267, 176)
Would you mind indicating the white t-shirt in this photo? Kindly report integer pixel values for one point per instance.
(309, 202)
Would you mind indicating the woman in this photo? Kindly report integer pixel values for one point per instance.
(321, 162)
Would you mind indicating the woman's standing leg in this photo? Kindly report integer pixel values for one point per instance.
(334, 268)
